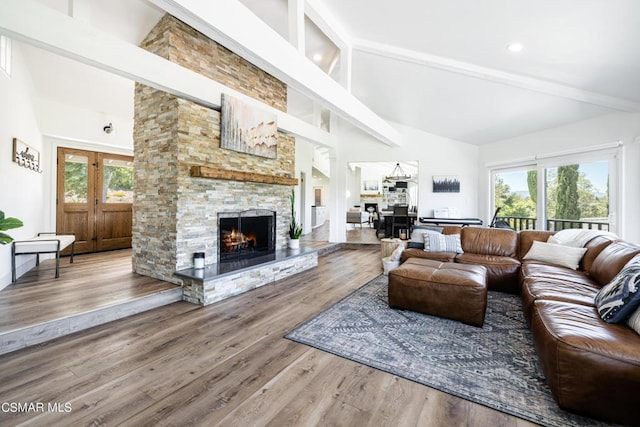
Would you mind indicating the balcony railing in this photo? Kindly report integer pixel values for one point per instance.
(524, 223)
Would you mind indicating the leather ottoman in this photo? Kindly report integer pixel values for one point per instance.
(445, 289)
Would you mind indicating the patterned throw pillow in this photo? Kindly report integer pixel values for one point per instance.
(618, 299)
(442, 243)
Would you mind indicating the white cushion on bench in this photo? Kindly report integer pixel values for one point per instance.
(44, 243)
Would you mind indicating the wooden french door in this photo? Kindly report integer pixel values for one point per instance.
(94, 199)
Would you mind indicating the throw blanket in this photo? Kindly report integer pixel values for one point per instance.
(577, 237)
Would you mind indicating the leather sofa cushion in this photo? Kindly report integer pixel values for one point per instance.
(537, 269)
(558, 289)
(611, 260)
(502, 271)
(592, 367)
(527, 237)
(594, 247)
(489, 241)
(450, 229)
(420, 253)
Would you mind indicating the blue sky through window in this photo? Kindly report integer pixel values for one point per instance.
(596, 172)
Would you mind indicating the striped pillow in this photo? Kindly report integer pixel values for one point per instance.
(442, 243)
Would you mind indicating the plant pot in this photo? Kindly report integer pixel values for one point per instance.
(294, 243)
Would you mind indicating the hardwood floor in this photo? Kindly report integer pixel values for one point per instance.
(357, 234)
(226, 364)
(95, 289)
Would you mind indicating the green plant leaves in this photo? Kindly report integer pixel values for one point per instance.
(8, 224)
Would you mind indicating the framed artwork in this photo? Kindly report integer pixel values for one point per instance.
(370, 185)
(446, 184)
(247, 129)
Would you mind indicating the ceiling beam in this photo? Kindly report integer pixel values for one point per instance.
(234, 26)
(41, 26)
(493, 75)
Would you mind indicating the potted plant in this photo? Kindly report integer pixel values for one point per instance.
(7, 224)
(295, 229)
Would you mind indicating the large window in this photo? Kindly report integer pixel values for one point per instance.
(577, 196)
(516, 197)
(556, 193)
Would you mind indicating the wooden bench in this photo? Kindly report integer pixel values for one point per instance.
(43, 243)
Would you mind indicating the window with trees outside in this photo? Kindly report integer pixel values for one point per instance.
(556, 195)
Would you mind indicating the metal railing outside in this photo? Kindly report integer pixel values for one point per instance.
(525, 223)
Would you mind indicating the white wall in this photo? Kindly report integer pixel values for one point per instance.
(21, 188)
(352, 193)
(81, 124)
(601, 130)
(304, 163)
(435, 155)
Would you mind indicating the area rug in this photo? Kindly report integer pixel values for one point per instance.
(495, 365)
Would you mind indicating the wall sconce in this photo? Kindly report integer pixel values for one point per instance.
(108, 128)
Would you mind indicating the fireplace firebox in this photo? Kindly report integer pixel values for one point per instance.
(246, 235)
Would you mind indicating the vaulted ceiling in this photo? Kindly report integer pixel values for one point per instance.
(441, 66)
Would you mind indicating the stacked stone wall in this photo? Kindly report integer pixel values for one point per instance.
(175, 215)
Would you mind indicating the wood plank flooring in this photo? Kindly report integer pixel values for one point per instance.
(226, 364)
(95, 289)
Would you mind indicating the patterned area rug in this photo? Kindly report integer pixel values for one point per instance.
(495, 365)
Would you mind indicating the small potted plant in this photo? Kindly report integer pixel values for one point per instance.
(7, 224)
(295, 229)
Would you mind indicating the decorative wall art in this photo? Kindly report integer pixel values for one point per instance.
(446, 184)
(247, 129)
(26, 156)
(370, 185)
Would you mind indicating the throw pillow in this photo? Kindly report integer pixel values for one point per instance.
(418, 232)
(618, 299)
(634, 321)
(397, 253)
(442, 243)
(417, 235)
(415, 245)
(565, 256)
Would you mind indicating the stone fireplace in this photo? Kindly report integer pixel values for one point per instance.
(185, 182)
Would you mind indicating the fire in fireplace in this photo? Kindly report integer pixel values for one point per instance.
(247, 234)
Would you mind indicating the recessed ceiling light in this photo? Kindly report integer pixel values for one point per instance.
(515, 47)
(317, 57)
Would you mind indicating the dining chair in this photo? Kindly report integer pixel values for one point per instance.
(400, 218)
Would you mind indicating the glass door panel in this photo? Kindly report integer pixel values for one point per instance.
(577, 196)
(515, 194)
(76, 178)
(117, 181)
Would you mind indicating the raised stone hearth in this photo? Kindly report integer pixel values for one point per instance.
(214, 283)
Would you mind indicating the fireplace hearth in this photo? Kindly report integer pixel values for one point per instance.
(246, 235)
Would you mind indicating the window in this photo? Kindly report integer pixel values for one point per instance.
(556, 193)
(577, 195)
(515, 194)
(117, 181)
(5, 54)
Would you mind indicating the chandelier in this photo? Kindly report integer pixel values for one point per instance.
(398, 174)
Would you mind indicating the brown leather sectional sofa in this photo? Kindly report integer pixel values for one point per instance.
(592, 367)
